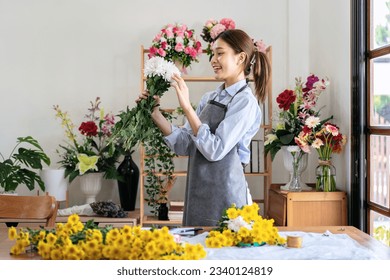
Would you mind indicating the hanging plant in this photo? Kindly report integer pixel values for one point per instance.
(136, 127)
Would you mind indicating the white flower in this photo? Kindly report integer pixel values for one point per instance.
(270, 138)
(312, 121)
(317, 143)
(293, 149)
(158, 66)
(237, 223)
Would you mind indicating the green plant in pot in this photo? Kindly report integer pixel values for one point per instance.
(19, 167)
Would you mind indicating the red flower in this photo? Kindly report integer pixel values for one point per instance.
(285, 99)
(88, 128)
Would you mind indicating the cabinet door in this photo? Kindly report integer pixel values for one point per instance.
(316, 209)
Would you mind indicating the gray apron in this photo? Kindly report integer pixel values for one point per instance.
(213, 186)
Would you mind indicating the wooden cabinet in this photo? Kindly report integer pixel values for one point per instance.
(252, 170)
(307, 208)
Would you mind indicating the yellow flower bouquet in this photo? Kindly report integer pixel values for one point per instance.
(77, 241)
(244, 227)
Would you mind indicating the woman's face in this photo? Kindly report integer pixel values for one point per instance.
(227, 65)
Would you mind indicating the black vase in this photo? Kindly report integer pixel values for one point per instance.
(128, 186)
(163, 212)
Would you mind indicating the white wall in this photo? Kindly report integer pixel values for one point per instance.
(69, 52)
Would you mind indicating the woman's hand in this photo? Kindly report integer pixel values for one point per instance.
(182, 92)
(145, 95)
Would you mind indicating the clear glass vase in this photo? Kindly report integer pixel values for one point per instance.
(325, 176)
(295, 161)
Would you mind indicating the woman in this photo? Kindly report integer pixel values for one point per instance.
(217, 135)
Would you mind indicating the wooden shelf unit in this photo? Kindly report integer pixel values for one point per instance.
(267, 174)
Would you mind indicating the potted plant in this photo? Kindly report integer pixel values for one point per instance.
(89, 154)
(16, 169)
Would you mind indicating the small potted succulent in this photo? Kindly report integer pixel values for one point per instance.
(19, 167)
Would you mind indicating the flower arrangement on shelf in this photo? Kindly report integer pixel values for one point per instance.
(212, 28)
(297, 114)
(137, 127)
(176, 43)
(90, 150)
(244, 227)
(77, 241)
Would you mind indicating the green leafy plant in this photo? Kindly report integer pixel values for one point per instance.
(136, 127)
(16, 169)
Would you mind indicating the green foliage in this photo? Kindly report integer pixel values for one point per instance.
(16, 169)
(136, 127)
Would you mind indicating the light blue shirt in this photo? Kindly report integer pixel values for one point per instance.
(241, 123)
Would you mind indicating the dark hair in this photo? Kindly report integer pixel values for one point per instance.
(255, 61)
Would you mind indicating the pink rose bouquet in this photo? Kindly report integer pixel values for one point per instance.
(212, 28)
(176, 43)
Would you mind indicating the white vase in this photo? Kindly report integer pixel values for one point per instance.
(90, 185)
(55, 182)
(294, 183)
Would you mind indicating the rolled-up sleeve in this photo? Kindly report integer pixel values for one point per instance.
(179, 140)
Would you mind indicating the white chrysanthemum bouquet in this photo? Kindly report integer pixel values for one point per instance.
(136, 124)
(136, 127)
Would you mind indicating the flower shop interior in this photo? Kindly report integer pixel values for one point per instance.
(68, 60)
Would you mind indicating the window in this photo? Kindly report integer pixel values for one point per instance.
(377, 61)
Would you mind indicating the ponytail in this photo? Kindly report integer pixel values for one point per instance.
(261, 70)
(256, 60)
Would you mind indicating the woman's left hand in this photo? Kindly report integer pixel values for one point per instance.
(182, 92)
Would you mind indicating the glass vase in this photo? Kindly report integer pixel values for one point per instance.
(295, 161)
(325, 176)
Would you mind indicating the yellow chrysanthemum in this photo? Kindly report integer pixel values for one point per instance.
(51, 238)
(232, 213)
(12, 233)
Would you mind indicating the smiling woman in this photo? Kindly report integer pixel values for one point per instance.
(217, 134)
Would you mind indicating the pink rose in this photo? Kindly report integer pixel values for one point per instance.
(161, 52)
(191, 51)
(216, 30)
(169, 33)
(164, 45)
(179, 47)
(228, 23)
(152, 52)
